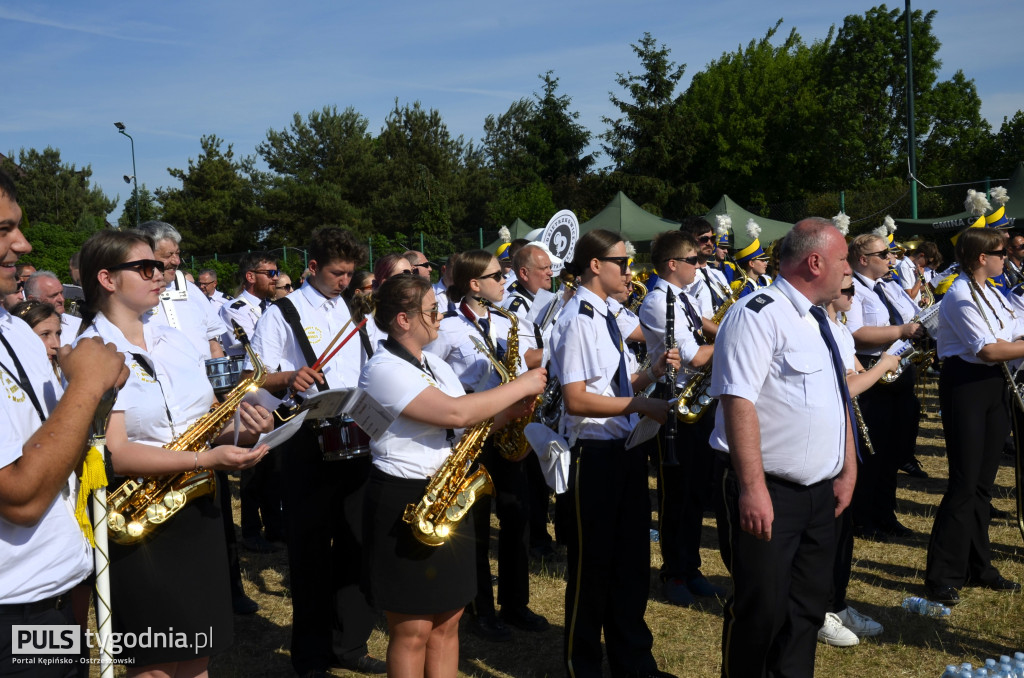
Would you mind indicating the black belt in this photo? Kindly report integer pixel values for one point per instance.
(46, 605)
(727, 462)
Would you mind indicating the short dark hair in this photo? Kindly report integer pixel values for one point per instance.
(7, 186)
(515, 246)
(695, 226)
(670, 244)
(592, 245)
(331, 243)
(250, 261)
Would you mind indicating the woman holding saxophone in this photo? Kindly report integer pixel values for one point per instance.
(477, 290)
(175, 582)
(977, 332)
(422, 589)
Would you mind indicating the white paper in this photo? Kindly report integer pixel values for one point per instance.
(371, 416)
(899, 347)
(283, 432)
(327, 404)
(645, 429)
(260, 397)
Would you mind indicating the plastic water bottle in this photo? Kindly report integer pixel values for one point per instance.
(951, 671)
(1006, 671)
(925, 607)
(1018, 667)
(981, 673)
(655, 535)
(990, 665)
(966, 666)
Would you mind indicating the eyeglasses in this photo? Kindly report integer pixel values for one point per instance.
(884, 254)
(146, 268)
(286, 286)
(997, 253)
(432, 312)
(848, 291)
(204, 284)
(496, 276)
(269, 272)
(623, 262)
(692, 261)
(425, 264)
(705, 238)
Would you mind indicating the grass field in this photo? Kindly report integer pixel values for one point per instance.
(687, 641)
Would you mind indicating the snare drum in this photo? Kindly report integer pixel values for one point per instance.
(224, 373)
(341, 438)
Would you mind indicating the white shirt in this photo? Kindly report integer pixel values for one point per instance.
(583, 351)
(53, 555)
(627, 322)
(217, 299)
(868, 310)
(770, 351)
(908, 272)
(530, 310)
(409, 448)
(844, 340)
(322, 319)
(700, 296)
(653, 313)
(180, 388)
(713, 278)
(963, 330)
(454, 345)
(244, 310)
(197, 317)
(441, 294)
(69, 325)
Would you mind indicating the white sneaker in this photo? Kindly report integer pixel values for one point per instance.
(861, 624)
(832, 632)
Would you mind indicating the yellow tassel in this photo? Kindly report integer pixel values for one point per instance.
(94, 476)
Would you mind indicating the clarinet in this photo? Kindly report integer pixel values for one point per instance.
(670, 374)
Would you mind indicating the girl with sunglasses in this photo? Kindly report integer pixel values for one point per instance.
(977, 331)
(422, 589)
(608, 580)
(176, 580)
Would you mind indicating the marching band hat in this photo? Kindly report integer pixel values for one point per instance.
(998, 218)
(754, 249)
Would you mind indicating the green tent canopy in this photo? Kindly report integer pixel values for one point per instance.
(632, 222)
(770, 229)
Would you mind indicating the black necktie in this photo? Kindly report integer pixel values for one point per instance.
(264, 305)
(622, 387)
(496, 348)
(716, 298)
(696, 324)
(837, 365)
(894, 315)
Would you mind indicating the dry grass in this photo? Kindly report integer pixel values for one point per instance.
(687, 642)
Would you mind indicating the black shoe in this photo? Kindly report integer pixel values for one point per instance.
(947, 595)
(490, 628)
(524, 618)
(364, 664)
(912, 467)
(243, 604)
(897, 529)
(258, 544)
(701, 587)
(1001, 583)
(677, 593)
(542, 551)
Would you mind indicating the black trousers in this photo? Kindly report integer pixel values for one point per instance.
(324, 516)
(683, 493)
(975, 421)
(842, 565)
(540, 500)
(260, 492)
(771, 622)
(609, 564)
(892, 413)
(234, 564)
(50, 617)
(511, 503)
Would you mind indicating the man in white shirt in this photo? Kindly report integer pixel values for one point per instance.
(182, 305)
(207, 282)
(784, 430)
(46, 286)
(43, 552)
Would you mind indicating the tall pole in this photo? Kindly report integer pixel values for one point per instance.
(135, 174)
(911, 136)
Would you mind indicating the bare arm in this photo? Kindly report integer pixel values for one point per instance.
(1002, 350)
(743, 433)
(433, 406)
(29, 484)
(865, 379)
(216, 350)
(868, 336)
(579, 402)
(842, 485)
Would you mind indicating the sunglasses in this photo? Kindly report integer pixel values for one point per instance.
(425, 264)
(692, 261)
(496, 276)
(286, 286)
(884, 254)
(146, 268)
(705, 238)
(432, 312)
(848, 291)
(269, 272)
(623, 263)
(996, 253)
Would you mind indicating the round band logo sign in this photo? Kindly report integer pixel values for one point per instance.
(560, 236)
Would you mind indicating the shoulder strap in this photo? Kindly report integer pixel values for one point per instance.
(291, 316)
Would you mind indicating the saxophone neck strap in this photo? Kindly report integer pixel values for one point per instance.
(399, 351)
(148, 368)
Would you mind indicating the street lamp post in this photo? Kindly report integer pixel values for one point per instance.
(135, 174)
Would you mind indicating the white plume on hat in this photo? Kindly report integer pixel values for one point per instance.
(723, 222)
(890, 225)
(753, 229)
(630, 250)
(881, 231)
(842, 222)
(504, 234)
(976, 203)
(999, 195)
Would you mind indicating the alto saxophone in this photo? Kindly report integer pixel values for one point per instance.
(140, 504)
(511, 441)
(452, 491)
(694, 400)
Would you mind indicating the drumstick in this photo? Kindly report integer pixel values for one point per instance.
(325, 358)
(320, 360)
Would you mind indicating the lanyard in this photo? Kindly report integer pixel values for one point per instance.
(22, 379)
(144, 364)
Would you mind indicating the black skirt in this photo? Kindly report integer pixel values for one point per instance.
(401, 574)
(174, 586)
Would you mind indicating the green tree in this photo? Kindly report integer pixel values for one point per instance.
(53, 245)
(649, 145)
(55, 192)
(215, 207)
(959, 144)
(148, 208)
(506, 148)
(558, 142)
(1009, 145)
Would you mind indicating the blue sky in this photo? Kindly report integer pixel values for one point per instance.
(173, 71)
